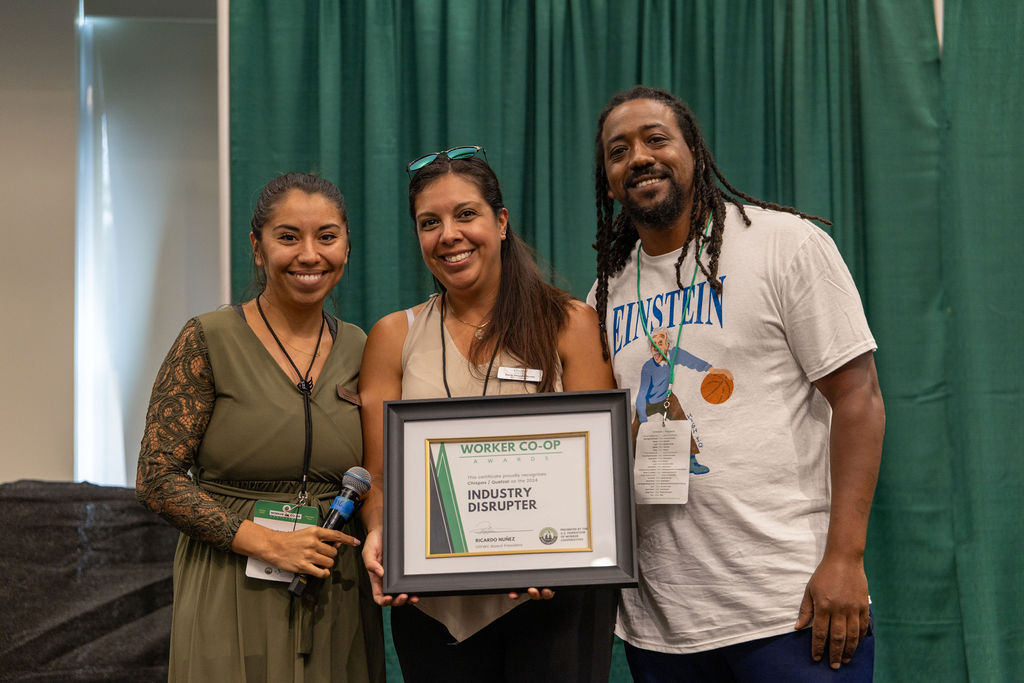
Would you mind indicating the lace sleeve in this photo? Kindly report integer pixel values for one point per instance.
(179, 412)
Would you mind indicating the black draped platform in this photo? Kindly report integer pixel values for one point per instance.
(85, 584)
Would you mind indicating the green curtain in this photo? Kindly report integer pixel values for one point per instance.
(981, 175)
(844, 109)
(353, 90)
(910, 543)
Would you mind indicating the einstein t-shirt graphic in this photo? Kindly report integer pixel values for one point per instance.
(656, 376)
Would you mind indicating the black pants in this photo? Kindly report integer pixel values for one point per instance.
(567, 639)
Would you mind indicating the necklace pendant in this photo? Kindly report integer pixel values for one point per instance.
(305, 385)
(479, 334)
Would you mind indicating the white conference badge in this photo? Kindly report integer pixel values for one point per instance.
(279, 517)
(661, 470)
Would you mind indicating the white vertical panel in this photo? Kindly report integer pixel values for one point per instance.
(224, 147)
(150, 223)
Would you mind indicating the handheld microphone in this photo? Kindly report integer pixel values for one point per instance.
(354, 485)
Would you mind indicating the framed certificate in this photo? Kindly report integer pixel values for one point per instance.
(502, 493)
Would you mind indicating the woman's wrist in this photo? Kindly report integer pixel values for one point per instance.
(250, 540)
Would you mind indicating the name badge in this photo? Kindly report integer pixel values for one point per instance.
(279, 517)
(520, 374)
(661, 467)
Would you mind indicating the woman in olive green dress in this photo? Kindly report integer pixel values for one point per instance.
(257, 402)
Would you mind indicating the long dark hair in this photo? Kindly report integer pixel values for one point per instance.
(617, 235)
(522, 288)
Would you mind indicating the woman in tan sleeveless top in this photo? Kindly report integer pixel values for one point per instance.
(493, 310)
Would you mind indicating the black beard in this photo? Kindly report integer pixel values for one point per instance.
(662, 215)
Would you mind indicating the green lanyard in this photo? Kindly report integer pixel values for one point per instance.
(686, 309)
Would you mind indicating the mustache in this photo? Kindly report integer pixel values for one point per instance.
(650, 171)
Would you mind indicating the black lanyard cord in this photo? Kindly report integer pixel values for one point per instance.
(444, 358)
(305, 386)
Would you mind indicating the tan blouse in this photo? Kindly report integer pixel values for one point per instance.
(422, 369)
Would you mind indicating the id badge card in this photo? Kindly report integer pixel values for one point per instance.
(661, 470)
(279, 517)
(520, 374)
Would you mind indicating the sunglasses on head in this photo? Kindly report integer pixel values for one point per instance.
(464, 152)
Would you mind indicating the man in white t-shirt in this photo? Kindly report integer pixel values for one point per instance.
(759, 574)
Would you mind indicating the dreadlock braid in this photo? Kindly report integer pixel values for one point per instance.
(617, 236)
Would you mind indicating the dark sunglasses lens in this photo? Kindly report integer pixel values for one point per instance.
(462, 152)
(421, 162)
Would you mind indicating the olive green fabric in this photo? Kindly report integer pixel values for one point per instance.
(232, 628)
(844, 109)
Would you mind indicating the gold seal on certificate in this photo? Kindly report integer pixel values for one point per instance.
(517, 494)
(499, 493)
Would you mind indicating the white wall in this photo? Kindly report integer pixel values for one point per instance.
(148, 251)
(172, 167)
(38, 113)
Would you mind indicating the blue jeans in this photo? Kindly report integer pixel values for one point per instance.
(786, 657)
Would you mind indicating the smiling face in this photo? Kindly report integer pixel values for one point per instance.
(460, 236)
(303, 248)
(648, 164)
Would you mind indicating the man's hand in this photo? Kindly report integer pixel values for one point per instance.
(835, 605)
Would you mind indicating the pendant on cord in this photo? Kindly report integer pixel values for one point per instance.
(305, 385)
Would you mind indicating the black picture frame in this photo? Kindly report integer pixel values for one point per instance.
(602, 415)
